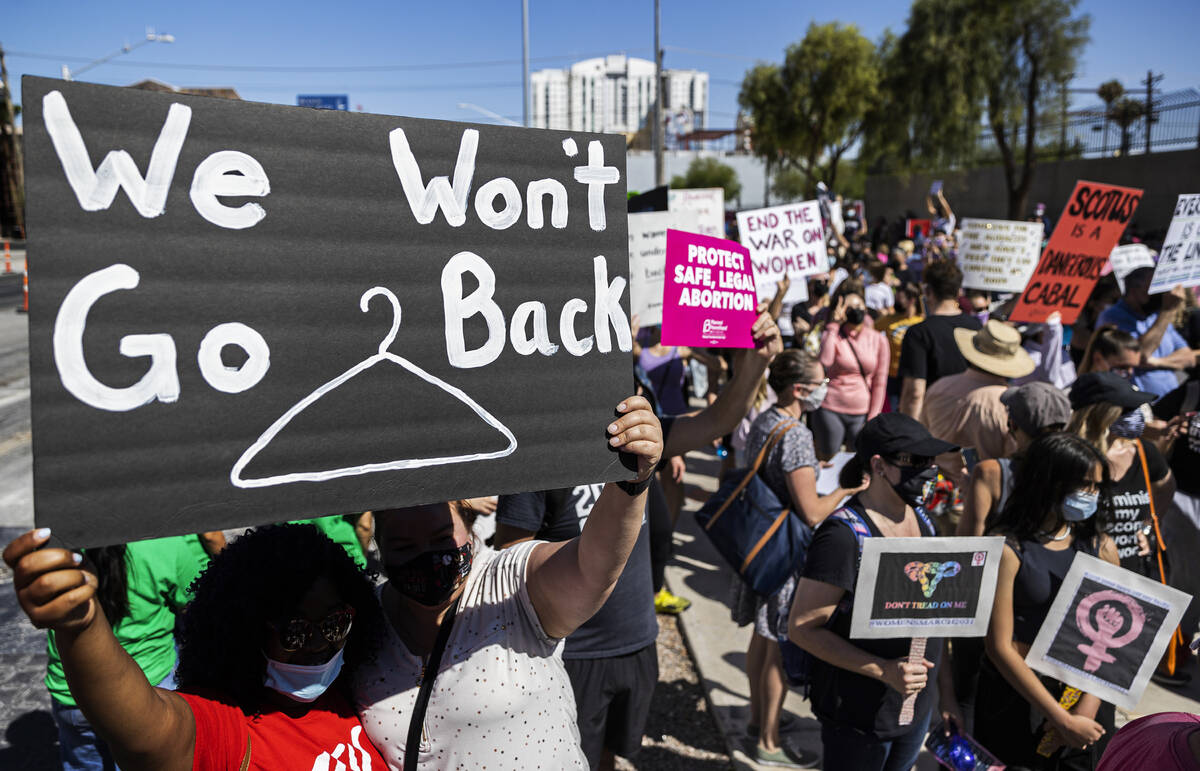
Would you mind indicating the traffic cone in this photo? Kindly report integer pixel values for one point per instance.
(7, 258)
(25, 291)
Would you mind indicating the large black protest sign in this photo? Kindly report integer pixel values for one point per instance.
(241, 313)
(925, 587)
(1106, 630)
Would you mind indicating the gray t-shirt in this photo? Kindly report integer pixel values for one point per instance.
(794, 451)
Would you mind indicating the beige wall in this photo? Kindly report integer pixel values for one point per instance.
(982, 193)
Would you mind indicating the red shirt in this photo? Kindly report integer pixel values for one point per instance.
(327, 736)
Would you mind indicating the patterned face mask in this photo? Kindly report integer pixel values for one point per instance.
(1130, 425)
(431, 577)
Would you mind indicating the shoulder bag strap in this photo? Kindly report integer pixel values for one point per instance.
(1162, 546)
(246, 758)
(412, 749)
(773, 439)
(861, 369)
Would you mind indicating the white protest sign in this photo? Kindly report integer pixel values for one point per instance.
(998, 255)
(648, 259)
(1126, 259)
(925, 587)
(783, 241)
(1106, 630)
(707, 202)
(1179, 263)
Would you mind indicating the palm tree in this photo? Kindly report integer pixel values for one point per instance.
(1125, 113)
(1110, 91)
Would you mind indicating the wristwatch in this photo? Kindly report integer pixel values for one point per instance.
(634, 489)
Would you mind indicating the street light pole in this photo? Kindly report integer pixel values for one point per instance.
(658, 100)
(525, 62)
(151, 37)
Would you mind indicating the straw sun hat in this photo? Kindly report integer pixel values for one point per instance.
(996, 349)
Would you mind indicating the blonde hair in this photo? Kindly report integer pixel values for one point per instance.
(1093, 421)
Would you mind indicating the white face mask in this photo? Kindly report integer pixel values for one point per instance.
(300, 682)
(815, 397)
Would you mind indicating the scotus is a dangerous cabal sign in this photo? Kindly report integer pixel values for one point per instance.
(242, 313)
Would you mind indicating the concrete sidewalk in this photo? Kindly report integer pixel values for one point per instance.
(718, 647)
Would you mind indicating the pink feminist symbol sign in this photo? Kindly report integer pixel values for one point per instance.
(1108, 621)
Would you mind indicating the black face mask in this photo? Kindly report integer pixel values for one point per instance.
(431, 577)
(1154, 304)
(913, 483)
(855, 315)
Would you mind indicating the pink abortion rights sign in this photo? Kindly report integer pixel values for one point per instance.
(708, 296)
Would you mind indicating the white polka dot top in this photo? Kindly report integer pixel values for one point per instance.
(501, 700)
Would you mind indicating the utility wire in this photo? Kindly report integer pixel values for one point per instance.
(307, 68)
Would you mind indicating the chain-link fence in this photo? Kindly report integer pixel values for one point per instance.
(1098, 132)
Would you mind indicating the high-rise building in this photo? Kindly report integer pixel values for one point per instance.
(615, 94)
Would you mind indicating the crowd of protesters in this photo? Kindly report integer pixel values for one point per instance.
(418, 638)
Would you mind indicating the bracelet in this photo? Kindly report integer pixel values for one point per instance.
(634, 489)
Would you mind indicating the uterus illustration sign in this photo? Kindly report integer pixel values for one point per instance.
(925, 587)
(1106, 630)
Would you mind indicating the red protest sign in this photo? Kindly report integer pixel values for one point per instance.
(1091, 223)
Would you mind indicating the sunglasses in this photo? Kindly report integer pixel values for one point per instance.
(298, 632)
(908, 460)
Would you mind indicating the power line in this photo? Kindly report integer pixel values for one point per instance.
(714, 54)
(310, 69)
(373, 88)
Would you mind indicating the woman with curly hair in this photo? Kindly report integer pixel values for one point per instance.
(279, 623)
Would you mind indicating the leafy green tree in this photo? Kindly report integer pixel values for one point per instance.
(1109, 92)
(963, 63)
(709, 172)
(809, 111)
(1125, 112)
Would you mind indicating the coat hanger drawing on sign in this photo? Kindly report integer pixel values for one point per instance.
(235, 475)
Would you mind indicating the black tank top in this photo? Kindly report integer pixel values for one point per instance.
(1037, 582)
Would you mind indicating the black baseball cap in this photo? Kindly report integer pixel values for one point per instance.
(1109, 387)
(894, 432)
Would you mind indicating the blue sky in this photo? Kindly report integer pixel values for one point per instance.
(262, 34)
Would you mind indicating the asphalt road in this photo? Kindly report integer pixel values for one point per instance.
(27, 734)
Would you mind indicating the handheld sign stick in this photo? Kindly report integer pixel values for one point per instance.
(916, 654)
(923, 589)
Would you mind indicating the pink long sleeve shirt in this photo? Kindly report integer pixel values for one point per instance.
(849, 393)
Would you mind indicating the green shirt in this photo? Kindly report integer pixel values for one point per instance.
(159, 573)
(340, 530)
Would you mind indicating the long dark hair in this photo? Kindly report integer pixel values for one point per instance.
(1054, 466)
(112, 578)
(259, 578)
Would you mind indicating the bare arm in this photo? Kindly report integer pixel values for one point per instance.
(1003, 651)
(982, 492)
(912, 396)
(364, 528)
(781, 289)
(212, 541)
(569, 581)
(1182, 358)
(813, 508)
(812, 608)
(146, 728)
(1149, 342)
(695, 430)
(945, 205)
(883, 353)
